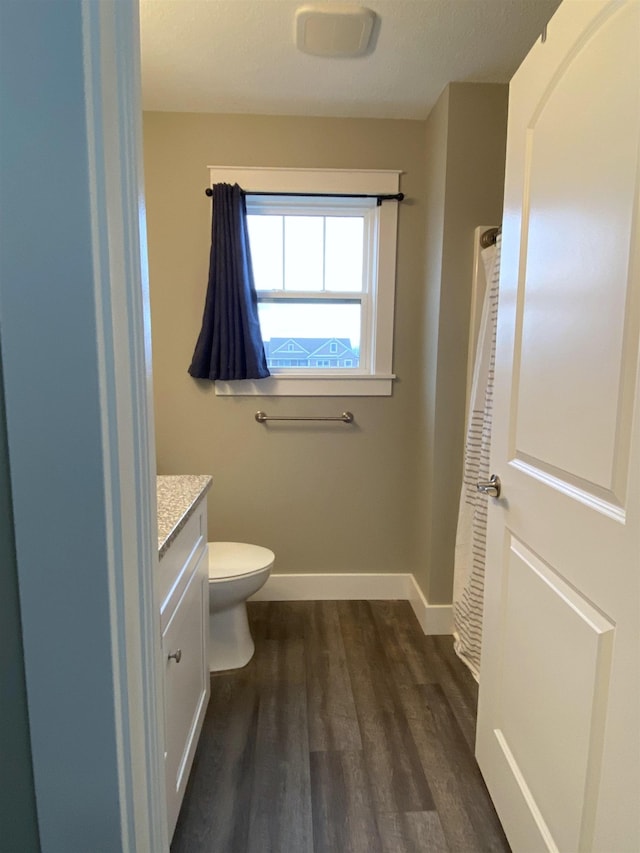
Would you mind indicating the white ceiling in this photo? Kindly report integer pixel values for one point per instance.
(238, 56)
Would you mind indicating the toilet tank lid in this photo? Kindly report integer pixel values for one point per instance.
(232, 559)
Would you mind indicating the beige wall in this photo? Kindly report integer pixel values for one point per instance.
(327, 498)
(381, 496)
(465, 139)
(436, 132)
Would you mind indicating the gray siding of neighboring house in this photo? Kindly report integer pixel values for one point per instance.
(310, 352)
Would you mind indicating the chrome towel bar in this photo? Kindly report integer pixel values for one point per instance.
(263, 417)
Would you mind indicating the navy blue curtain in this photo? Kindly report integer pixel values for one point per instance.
(230, 342)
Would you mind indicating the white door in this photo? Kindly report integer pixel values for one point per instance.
(558, 720)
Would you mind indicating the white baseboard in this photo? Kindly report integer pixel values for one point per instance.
(433, 618)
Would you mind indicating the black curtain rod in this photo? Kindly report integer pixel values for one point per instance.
(379, 198)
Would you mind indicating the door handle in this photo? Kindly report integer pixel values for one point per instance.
(491, 487)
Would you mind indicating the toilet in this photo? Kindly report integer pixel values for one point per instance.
(236, 571)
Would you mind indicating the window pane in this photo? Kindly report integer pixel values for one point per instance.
(324, 335)
(343, 253)
(303, 252)
(265, 237)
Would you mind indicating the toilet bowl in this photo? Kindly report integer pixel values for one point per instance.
(236, 571)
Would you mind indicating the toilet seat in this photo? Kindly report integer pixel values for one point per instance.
(237, 559)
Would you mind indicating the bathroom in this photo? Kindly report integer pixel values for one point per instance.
(365, 510)
(77, 477)
(328, 498)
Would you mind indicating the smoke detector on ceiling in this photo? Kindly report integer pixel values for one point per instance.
(334, 29)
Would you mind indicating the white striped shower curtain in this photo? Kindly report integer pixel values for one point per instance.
(468, 585)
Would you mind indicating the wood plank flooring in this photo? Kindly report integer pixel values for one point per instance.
(349, 732)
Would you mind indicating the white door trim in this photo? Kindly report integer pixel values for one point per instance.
(114, 112)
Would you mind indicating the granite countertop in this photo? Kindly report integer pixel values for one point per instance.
(178, 495)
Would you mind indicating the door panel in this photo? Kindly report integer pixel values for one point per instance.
(560, 690)
(559, 708)
(583, 269)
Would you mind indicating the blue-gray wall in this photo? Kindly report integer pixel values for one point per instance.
(18, 824)
(54, 428)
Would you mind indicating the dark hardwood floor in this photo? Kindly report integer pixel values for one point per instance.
(349, 732)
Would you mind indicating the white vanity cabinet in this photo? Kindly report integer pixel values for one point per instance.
(183, 579)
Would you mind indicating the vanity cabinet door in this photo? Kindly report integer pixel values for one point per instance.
(186, 684)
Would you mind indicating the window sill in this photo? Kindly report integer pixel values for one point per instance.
(322, 385)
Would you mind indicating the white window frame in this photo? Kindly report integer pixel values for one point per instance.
(365, 296)
(376, 378)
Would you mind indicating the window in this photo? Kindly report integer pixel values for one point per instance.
(324, 269)
(311, 261)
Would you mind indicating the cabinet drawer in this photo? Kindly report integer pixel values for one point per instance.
(176, 565)
(186, 684)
